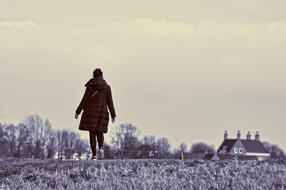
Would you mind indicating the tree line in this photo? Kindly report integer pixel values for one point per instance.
(36, 138)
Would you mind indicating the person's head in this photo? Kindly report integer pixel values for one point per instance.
(97, 73)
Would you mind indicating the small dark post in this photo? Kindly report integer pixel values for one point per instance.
(238, 134)
(248, 136)
(225, 135)
(257, 136)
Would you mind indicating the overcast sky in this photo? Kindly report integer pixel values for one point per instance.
(186, 70)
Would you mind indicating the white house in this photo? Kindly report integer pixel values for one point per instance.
(242, 148)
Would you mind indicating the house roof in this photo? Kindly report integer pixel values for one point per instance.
(250, 145)
(228, 144)
(254, 146)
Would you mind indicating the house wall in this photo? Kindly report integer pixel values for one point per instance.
(239, 147)
(257, 154)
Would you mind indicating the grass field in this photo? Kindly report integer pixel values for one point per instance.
(141, 174)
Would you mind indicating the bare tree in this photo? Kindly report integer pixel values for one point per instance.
(125, 140)
(35, 138)
(69, 143)
(22, 138)
(202, 148)
(34, 124)
(51, 147)
(3, 141)
(148, 148)
(163, 147)
(149, 140)
(81, 147)
(40, 131)
(60, 145)
(11, 139)
(183, 149)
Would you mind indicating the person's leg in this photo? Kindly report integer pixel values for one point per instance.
(92, 140)
(100, 139)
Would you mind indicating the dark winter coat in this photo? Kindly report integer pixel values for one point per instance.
(95, 115)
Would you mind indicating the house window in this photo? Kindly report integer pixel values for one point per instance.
(236, 150)
(240, 150)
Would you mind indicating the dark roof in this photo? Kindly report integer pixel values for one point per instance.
(254, 146)
(228, 143)
(250, 145)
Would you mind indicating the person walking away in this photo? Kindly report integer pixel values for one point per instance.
(95, 103)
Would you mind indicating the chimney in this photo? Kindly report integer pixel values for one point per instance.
(257, 136)
(225, 135)
(238, 134)
(248, 136)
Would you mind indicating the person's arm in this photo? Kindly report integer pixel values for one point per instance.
(111, 106)
(83, 101)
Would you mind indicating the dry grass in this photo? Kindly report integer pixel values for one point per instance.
(141, 174)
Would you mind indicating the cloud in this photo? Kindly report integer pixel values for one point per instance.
(160, 28)
(156, 28)
(104, 40)
(20, 25)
